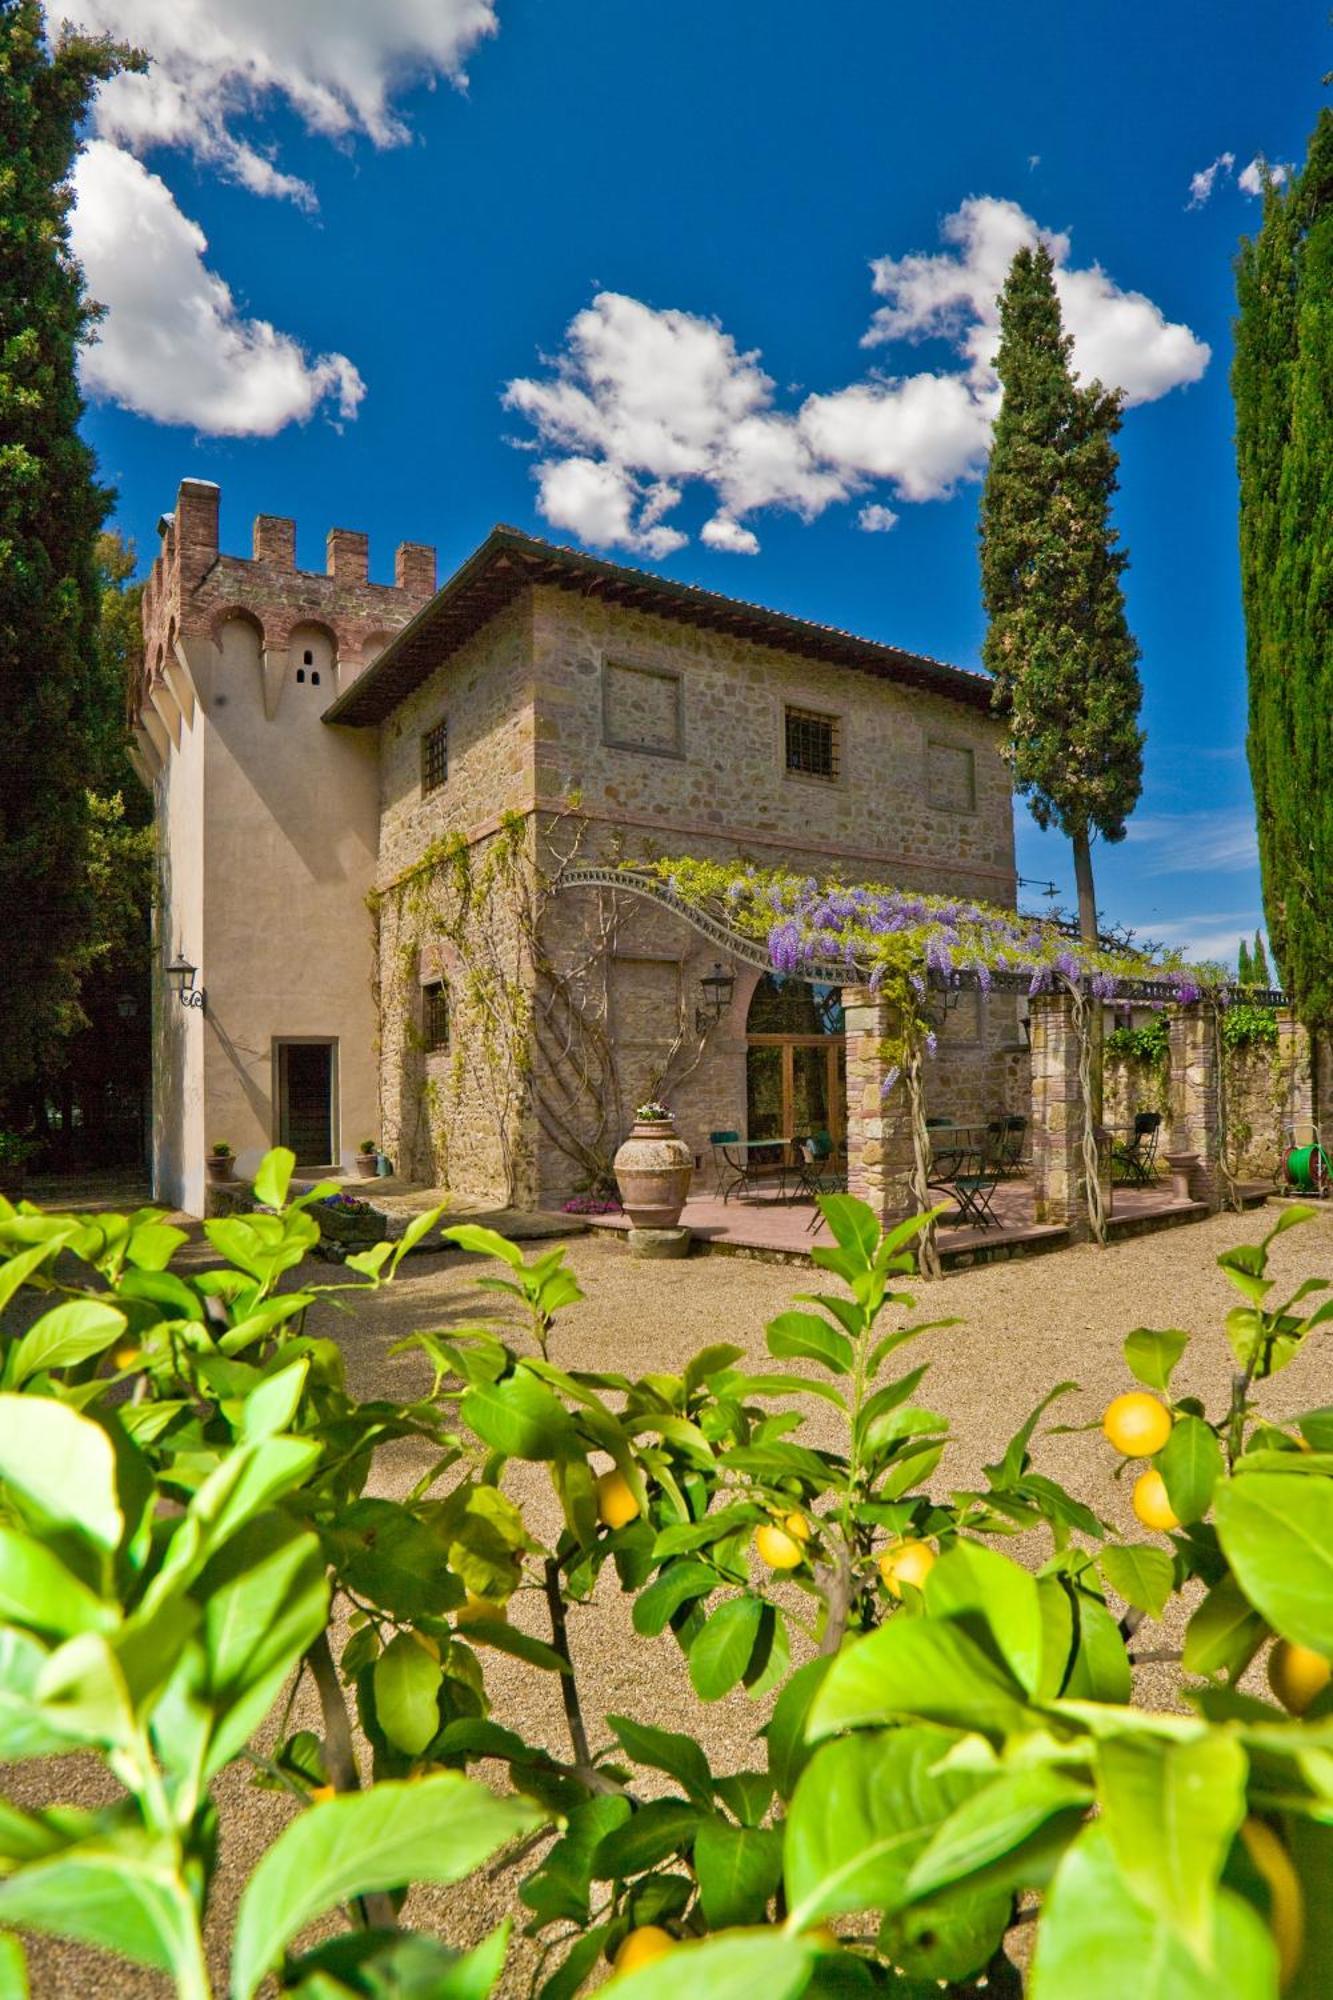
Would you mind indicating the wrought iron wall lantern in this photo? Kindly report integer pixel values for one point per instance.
(718, 986)
(180, 978)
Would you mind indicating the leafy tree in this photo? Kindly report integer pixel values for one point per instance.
(1259, 973)
(1244, 969)
(1058, 644)
(1282, 381)
(50, 510)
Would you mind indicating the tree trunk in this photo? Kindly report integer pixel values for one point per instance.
(1087, 930)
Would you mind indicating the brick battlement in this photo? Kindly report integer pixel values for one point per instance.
(193, 588)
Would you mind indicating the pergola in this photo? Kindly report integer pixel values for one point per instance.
(887, 1145)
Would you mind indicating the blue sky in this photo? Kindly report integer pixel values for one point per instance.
(332, 238)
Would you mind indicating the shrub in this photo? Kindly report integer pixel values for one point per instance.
(947, 1733)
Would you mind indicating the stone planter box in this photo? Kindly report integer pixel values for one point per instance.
(653, 1170)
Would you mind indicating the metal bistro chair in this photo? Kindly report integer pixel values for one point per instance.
(967, 1172)
(722, 1167)
(822, 1172)
(1135, 1161)
(1011, 1152)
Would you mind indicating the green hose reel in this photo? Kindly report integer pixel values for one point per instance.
(1309, 1169)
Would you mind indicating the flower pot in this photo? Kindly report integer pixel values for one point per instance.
(220, 1166)
(653, 1170)
(365, 1164)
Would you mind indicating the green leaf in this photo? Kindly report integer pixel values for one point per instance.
(811, 1338)
(661, 1828)
(397, 1965)
(13, 1968)
(721, 1652)
(66, 1334)
(747, 1794)
(420, 1226)
(854, 1224)
(520, 1418)
(1011, 1467)
(121, 1892)
(435, 1830)
(559, 1888)
(994, 1821)
(1171, 1811)
(1142, 1574)
(1276, 1531)
(275, 1177)
(739, 1868)
(1100, 1670)
(664, 1750)
(674, 1586)
(61, 1464)
(1190, 1463)
(1224, 1633)
(1097, 1940)
(709, 1361)
(788, 1752)
(736, 1966)
(484, 1243)
(1151, 1355)
(917, 1667)
(865, 1808)
(15, 1271)
(996, 1602)
(407, 1680)
(519, 1645)
(36, 1589)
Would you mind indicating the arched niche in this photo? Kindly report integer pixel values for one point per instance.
(312, 657)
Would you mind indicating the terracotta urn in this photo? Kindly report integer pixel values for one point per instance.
(653, 1170)
(365, 1165)
(220, 1167)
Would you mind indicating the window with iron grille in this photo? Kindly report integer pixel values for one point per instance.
(435, 1015)
(434, 757)
(812, 743)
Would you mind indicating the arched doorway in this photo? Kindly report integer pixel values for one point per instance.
(795, 1061)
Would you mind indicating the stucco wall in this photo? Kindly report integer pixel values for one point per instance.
(179, 1134)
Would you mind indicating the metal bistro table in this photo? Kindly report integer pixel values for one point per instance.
(749, 1169)
(962, 1167)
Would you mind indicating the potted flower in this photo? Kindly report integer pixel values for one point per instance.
(367, 1158)
(14, 1151)
(653, 1169)
(221, 1162)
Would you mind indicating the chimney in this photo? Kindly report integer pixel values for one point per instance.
(348, 555)
(414, 569)
(275, 541)
(196, 529)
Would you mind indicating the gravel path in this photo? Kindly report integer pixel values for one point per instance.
(1025, 1326)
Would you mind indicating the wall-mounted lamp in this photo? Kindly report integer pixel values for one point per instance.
(180, 978)
(718, 986)
(126, 1006)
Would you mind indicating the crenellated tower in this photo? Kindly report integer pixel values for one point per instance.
(268, 826)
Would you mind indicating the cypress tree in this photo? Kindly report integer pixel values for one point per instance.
(1244, 974)
(1259, 974)
(1058, 643)
(50, 510)
(1282, 381)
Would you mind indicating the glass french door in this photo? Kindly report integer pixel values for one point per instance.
(796, 1086)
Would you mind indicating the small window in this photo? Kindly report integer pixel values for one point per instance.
(435, 1015)
(812, 743)
(309, 658)
(434, 757)
(300, 673)
(314, 678)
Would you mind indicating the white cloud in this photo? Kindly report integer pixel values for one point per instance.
(1250, 180)
(1201, 184)
(653, 400)
(1213, 841)
(1209, 937)
(335, 63)
(1121, 338)
(174, 346)
(876, 520)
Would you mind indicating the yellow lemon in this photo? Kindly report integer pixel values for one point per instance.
(642, 1946)
(320, 1794)
(796, 1525)
(1286, 1899)
(1137, 1424)
(776, 1547)
(906, 1562)
(1296, 1675)
(616, 1504)
(1151, 1503)
(476, 1610)
(126, 1356)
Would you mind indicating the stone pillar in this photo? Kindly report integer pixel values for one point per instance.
(275, 541)
(1295, 1063)
(1059, 1194)
(414, 569)
(1195, 1125)
(879, 1128)
(1321, 1052)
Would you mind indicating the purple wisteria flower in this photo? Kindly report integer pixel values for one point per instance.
(1066, 962)
(1187, 992)
(890, 1079)
(1105, 985)
(932, 1042)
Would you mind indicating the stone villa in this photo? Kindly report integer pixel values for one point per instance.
(366, 793)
